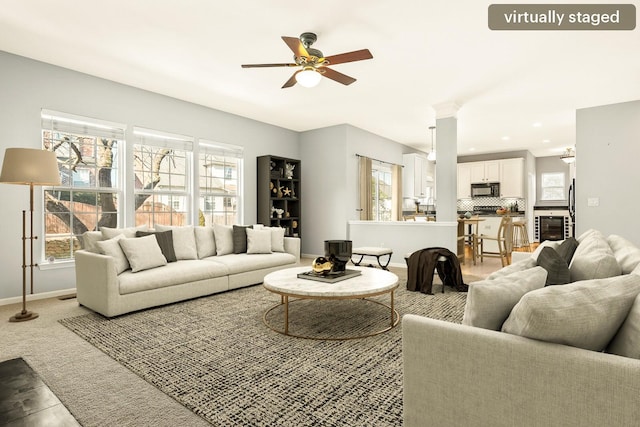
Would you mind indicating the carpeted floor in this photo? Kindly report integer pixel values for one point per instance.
(215, 356)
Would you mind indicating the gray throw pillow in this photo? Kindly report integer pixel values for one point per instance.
(165, 241)
(557, 269)
(240, 238)
(567, 249)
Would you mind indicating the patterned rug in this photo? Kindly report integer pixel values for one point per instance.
(215, 356)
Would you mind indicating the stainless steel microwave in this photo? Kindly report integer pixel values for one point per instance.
(487, 189)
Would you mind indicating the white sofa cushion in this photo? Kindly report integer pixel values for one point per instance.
(184, 240)
(143, 253)
(175, 273)
(112, 248)
(129, 232)
(205, 242)
(489, 302)
(555, 244)
(242, 263)
(258, 241)
(593, 259)
(583, 314)
(626, 342)
(224, 239)
(277, 239)
(625, 252)
(89, 240)
(521, 265)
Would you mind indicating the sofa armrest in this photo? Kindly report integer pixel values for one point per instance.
(458, 375)
(292, 246)
(96, 281)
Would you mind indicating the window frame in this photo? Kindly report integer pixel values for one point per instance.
(543, 187)
(55, 126)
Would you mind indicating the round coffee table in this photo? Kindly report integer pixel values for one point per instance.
(371, 282)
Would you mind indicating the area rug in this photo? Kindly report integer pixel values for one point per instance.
(215, 356)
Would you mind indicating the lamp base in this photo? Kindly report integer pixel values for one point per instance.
(23, 316)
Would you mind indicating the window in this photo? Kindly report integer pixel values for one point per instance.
(88, 152)
(552, 186)
(381, 191)
(220, 167)
(161, 165)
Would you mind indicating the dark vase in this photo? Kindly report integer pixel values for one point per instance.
(338, 252)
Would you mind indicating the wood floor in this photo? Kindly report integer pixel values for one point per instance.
(27, 401)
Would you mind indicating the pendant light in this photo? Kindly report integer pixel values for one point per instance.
(432, 154)
(569, 156)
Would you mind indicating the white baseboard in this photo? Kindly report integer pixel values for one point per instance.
(43, 295)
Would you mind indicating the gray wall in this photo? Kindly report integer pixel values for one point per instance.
(607, 153)
(552, 164)
(330, 179)
(27, 86)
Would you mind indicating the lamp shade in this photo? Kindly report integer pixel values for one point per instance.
(30, 166)
(308, 77)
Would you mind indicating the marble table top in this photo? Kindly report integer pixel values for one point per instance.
(372, 281)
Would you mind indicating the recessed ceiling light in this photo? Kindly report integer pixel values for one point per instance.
(472, 149)
(546, 141)
(536, 124)
(505, 138)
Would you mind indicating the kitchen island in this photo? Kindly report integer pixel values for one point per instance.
(403, 237)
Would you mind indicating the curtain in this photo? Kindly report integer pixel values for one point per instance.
(366, 210)
(396, 193)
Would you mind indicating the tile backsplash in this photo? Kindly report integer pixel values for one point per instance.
(470, 204)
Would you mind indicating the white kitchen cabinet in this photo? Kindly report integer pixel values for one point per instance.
(512, 178)
(482, 172)
(464, 181)
(414, 175)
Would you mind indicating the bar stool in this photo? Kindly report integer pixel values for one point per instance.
(520, 235)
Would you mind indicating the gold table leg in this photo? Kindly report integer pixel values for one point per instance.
(286, 315)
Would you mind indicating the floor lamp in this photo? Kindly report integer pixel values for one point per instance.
(28, 166)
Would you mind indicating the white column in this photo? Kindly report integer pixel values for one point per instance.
(446, 161)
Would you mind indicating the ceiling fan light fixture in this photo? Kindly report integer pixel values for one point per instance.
(308, 77)
(569, 156)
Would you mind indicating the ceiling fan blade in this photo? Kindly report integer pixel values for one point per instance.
(296, 46)
(337, 76)
(356, 55)
(267, 65)
(291, 81)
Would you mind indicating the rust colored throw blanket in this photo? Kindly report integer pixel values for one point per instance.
(421, 266)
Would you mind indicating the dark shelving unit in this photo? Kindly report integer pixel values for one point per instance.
(279, 190)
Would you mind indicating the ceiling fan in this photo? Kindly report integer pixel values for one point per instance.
(313, 64)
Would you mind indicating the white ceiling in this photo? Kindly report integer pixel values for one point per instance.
(425, 53)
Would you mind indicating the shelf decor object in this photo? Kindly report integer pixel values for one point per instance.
(28, 166)
(279, 194)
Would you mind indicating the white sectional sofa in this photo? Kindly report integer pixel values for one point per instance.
(205, 265)
(565, 355)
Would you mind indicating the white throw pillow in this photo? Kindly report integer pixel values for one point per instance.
(277, 239)
(627, 340)
(89, 240)
(184, 240)
(583, 314)
(129, 232)
(258, 241)
(626, 253)
(593, 259)
(489, 302)
(224, 239)
(112, 248)
(205, 242)
(143, 253)
(521, 265)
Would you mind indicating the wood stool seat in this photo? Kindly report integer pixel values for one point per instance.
(520, 235)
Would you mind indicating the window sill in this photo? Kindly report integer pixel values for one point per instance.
(46, 265)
